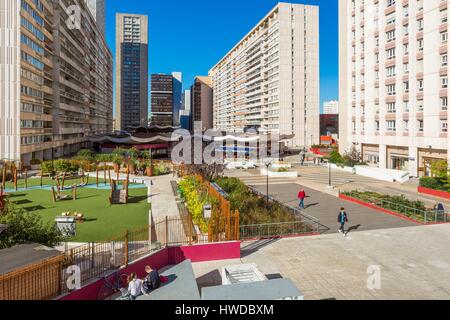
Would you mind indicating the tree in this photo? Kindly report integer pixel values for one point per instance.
(210, 172)
(26, 227)
(353, 157)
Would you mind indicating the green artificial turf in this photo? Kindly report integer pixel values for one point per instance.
(104, 221)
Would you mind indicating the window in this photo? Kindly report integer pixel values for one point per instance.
(390, 89)
(420, 25)
(406, 125)
(420, 125)
(391, 126)
(390, 71)
(444, 126)
(444, 37)
(391, 107)
(444, 59)
(444, 103)
(420, 85)
(444, 82)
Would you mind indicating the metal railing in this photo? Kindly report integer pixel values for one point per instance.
(273, 230)
(423, 216)
(97, 259)
(313, 223)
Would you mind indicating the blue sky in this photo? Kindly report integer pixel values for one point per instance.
(191, 36)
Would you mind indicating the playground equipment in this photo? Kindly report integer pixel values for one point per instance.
(119, 196)
(2, 199)
(14, 169)
(58, 195)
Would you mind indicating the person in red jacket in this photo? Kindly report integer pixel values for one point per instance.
(301, 197)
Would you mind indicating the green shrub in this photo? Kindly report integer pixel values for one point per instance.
(160, 170)
(35, 162)
(433, 183)
(63, 165)
(104, 157)
(85, 155)
(195, 198)
(252, 208)
(47, 167)
(25, 227)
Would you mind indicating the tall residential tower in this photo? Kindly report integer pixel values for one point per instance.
(56, 79)
(270, 79)
(394, 82)
(131, 71)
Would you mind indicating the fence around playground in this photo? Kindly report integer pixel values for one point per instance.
(422, 216)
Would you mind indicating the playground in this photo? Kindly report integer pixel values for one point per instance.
(101, 219)
(103, 206)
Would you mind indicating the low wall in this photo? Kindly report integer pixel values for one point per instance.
(274, 174)
(376, 173)
(162, 258)
(432, 192)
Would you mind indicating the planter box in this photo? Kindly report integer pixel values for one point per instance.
(274, 174)
(432, 192)
(375, 207)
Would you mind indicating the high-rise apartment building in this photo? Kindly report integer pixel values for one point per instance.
(331, 107)
(131, 71)
(270, 79)
(394, 82)
(202, 102)
(98, 11)
(56, 79)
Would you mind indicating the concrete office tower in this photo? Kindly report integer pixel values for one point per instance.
(162, 99)
(98, 11)
(202, 102)
(131, 71)
(331, 107)
(394, 82)
(56, 80)
(177, 97)
(270, 79)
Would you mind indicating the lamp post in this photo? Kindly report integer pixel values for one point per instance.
(267, 163)
(330, 186)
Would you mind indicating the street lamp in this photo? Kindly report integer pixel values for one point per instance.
(329, 175)
(267, 163)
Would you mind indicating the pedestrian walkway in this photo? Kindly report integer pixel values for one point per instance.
(326, 207)
(165, 212)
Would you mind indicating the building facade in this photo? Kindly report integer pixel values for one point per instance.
(131, 71)
(202, 102)
(177, 97)
(394, 82)
(270, 79)
(98, 11)
(56, 79)
(331, 107)
(166, 99)
(185, 113)
(162, 99)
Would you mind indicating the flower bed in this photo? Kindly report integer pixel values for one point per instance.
(397, 205)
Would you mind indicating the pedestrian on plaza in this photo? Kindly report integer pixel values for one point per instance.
(302, 197)
(303, 157)
(342, 220)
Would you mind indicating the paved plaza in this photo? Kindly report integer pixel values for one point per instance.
(414, 264)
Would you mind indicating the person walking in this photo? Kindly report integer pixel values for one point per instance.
(302, 197)
(342, 220)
